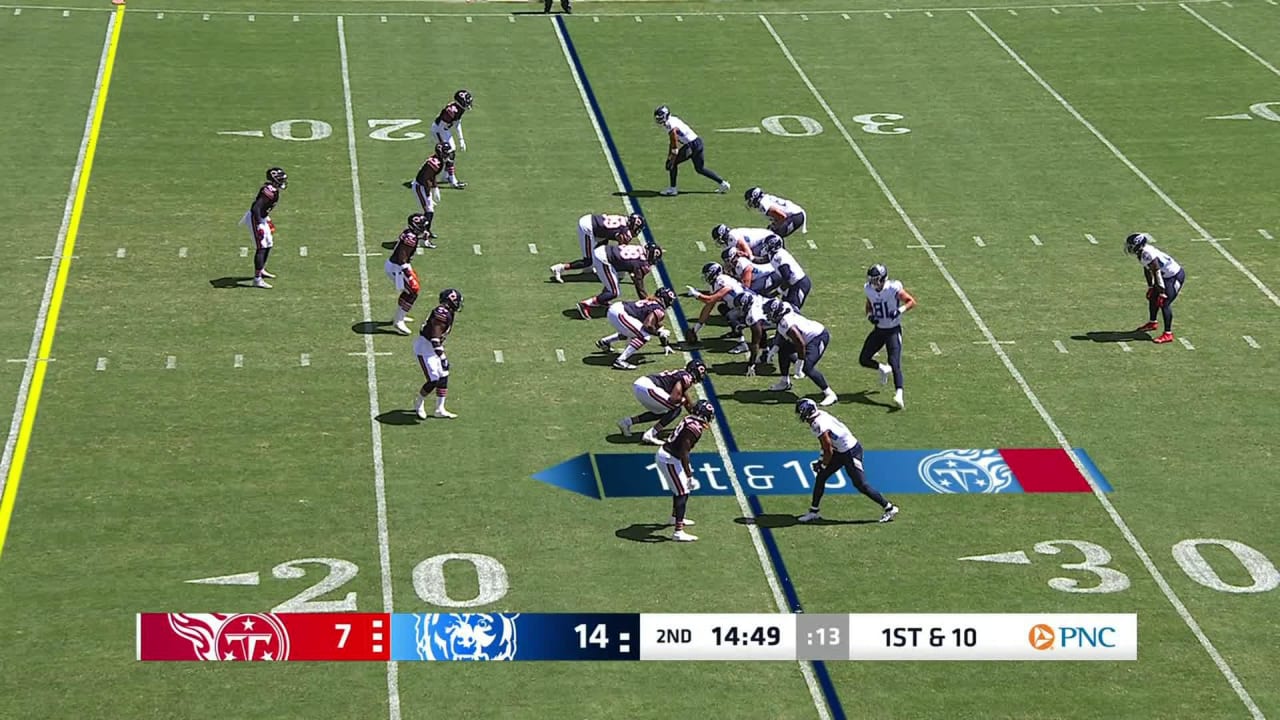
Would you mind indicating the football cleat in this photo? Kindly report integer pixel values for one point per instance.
(1149, 326)
(451, 299)
(1164, 338)
(809, 516)
(669, 192)
(442, 413)
(458, 185)
(268, 274)
(260, 283)
(1135, 242)
(739, 349)
(584, 309)
(421, 411)
(604, 345)
(806, 409)
(889, 513)
(661, 113)
(278, 177)
(687, 522)
(829, 397)
(401, 328)
(682, 536)
(724, 187)
(625, 426)
(902, 404)
(623, 365)
(651, 436)
(555, 272)
(753, 197)
(782, 384)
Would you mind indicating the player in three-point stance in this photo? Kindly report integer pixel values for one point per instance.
(662, 395)
(1165, 278)
(785, 217)
(258, 218)
(796, 284)
(426, 187)
(802, 341)
(429, 349)
(608, 261)
(741, 307)
(840, 449)
(449, 120)
(685, 145)
(400, 270)
(760, 278)
(673, 464)
(635, 322)
(749, 241)
(886, 303)
(596, 230)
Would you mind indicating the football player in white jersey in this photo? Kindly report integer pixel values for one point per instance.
(796, 284)
(802, 341)
(759, 278)
(886, 302)
(785, 217)
(840, 449)
(742, 308)
(1165, 278)
(685, 145)
(749, 241)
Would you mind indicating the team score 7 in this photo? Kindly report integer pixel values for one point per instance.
(345, 630)
(754, 636)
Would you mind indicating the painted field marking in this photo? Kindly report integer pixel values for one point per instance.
(1124, 346)
(102, 364)
(702, 247)
(1061, 348)
(1265, 235)
(511, 18)
(244, 252)
(1186, 343)
(638, 19)
(928, 13)
(17, 11)
(812, 245)
(1252, 343)
(54, 257)
(1223, 34)
(845, 16)
(925, 246)
(159, 15)
(252, 18)
(533, 248)
(1017, 375)
(1275, 299)
(371, 373)
(302, 251)
(475, 249)
(205, 17)
(1097, 9)
(977, 240)
(679, 18)
(497, 356)
(383, 18)
(31, 386)
(804, 18)
(304, 360)
(120, 252)
(361, 254)
(171, 362)
(934, 347)
(1056, 11)
(744, 506)
(1013, 12)
(182, 252)
(237, 361)
(1092, 240)
(595, 18)
(66, 13)
(1141, 8)
(996, 342)
(366, 353)
(867, 243)
(297, 19)
(426, 18)
(1035, 240)
(559, 355)
(888, 15)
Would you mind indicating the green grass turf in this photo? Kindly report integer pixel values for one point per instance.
(140, 477)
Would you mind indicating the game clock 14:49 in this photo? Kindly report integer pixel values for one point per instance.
(757, 636)
(737, 636)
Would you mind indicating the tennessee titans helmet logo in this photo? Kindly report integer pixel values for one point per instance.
(466, 636)
(966, 471)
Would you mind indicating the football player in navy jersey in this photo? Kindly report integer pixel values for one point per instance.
(662, 395)
(428, 347)
(447, 122)
(258, 218)
(673, 465)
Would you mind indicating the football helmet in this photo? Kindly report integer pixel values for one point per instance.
(666, 296)
(711, 271)
(706, 411)
(753, 197)
(777, 309)
(418, 223)
(463, 98)
(1135, 242)
(443, 151)
(451, 299)
(697, 369)
(728, 254)
(278, 177)
(877, 275)
(661, 113)
(806, 409)
(772, 245)
(653, 253)
(635, 223)
(720, 234)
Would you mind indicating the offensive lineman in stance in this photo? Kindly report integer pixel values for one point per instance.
(662, 394)
(429, 348)
(260, 226)
(597, 230)
(673, 465)
(840, 449)
(400, 270)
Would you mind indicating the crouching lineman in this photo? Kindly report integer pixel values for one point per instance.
(760, 278)
(795, 282)
(260, 226)
(886, 302)
(635, 321)
(662, 395)
(673, 464)
(741, 307)
(400, 270)
(608, 261)
(840, 449)
(785, 217)
(1165, 278)
(596, 230)
(802, 341)
(749, 241)
(429, 347)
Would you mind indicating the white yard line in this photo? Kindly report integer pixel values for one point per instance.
(1034, 399)
(1231, 40)
(371, 372)
(42, 315)
(1275, 299)
(775, 586)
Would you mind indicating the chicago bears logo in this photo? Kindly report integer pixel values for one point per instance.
(466, 636)
(966, 471)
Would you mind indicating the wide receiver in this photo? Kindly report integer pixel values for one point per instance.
(428, 347)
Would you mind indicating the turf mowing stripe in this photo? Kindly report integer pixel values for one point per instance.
(371, 371)
(24, 411)
(1204, 234)
(775, 571)
(1034, 399)
(1230, 39)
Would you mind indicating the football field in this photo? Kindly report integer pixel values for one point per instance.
(172, 424)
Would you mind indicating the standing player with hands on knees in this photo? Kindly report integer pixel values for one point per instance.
(840, 449)
(400, 270)
(429, 349)
(1165, 278)
(886, 303)
(685, 145)
(258, 218)
(673, 464)
(449, 120)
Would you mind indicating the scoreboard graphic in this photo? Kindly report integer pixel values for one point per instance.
(434, 637)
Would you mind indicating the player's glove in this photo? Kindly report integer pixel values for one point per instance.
(671, 161)
(1151, 292)
(1161, 299)
(771, 356)
(444, 363)
(799, 374)
(665, 334)
(691, 291)
(751, 369)
(816, 466)
(871, 319)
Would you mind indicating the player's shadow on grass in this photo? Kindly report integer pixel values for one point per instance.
(1112, 336)
(620, 439)
(774, 521)
(863, 397)
(373, 328)
(655, 193)
(764, 397)
(604, 359)
(643, 533)
(573, 276)
(231, 282)
(399, 417)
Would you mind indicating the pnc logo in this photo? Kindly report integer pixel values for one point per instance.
(1041, 637)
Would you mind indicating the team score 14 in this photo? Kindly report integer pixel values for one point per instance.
(934, 636)
(762, 636)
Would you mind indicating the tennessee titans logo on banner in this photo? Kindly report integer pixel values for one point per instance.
(466, 636)
(966, 471)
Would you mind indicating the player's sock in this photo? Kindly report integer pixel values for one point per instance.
(579, 264)
(608, 339)
(645, 417)
(400, 314)
(1167, 312)
(440, 396)
(630, 349)
(679, 504)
